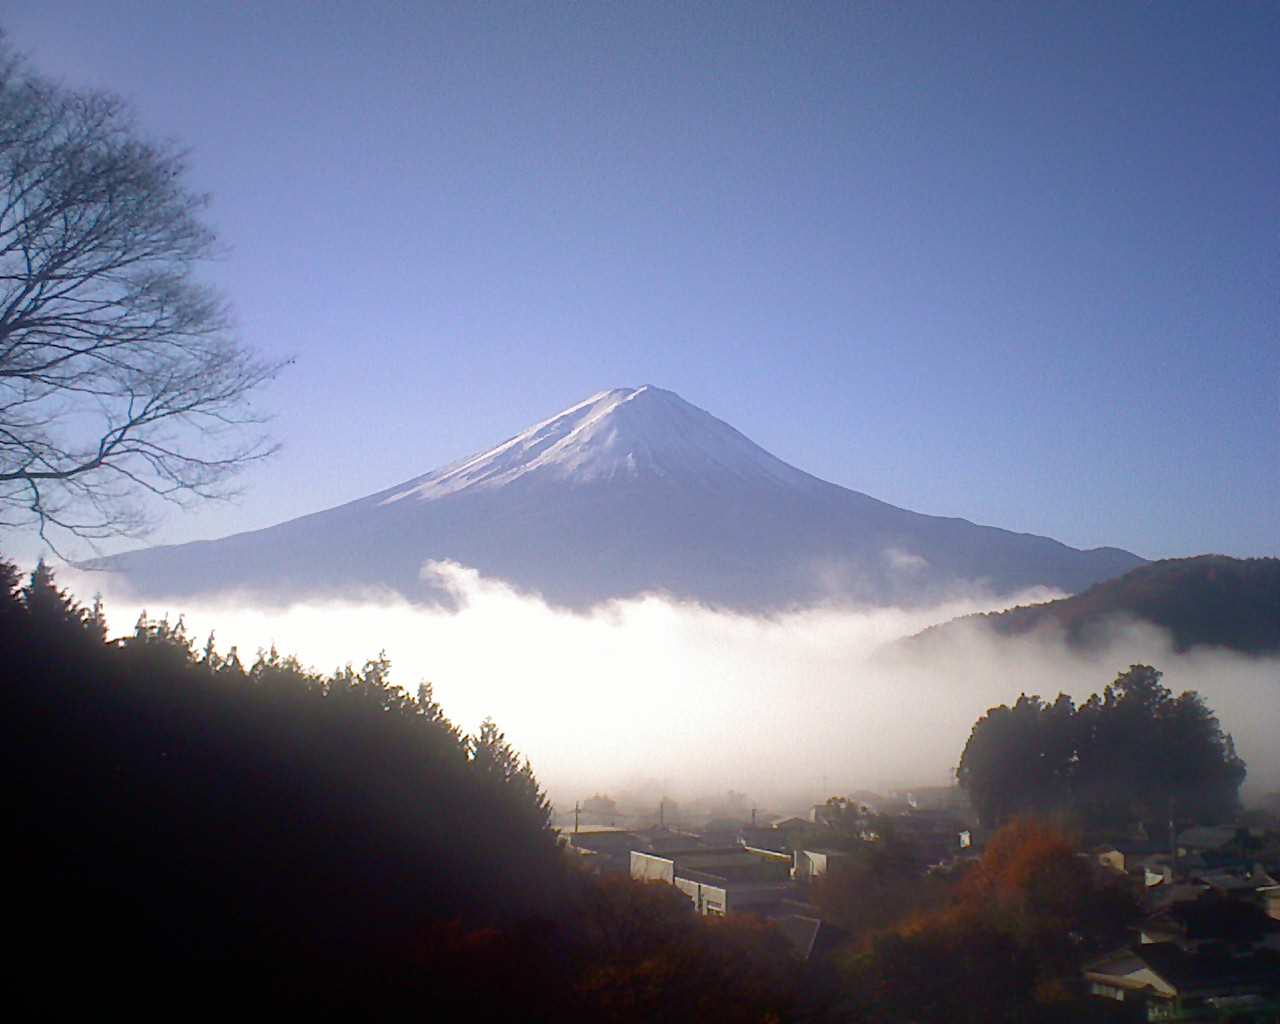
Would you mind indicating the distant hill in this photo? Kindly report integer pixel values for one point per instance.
(1206, 601)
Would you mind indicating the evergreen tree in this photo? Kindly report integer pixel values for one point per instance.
(46, 603)
(494, 760)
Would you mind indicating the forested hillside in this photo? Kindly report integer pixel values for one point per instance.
(1206, 601)
(179, 805)
(193, 834)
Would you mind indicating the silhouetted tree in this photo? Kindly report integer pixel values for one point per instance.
(55, 613)
(493, 759)
(119, 376)
(1142, 749)
(1124, 754)
(1018, 759)
(176, 807)
(10, 602)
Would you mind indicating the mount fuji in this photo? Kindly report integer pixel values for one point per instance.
(632, 491)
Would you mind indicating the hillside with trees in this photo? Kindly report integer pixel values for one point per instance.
(269, 836)
(1206, 601)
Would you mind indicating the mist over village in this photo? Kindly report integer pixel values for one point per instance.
(665, 513)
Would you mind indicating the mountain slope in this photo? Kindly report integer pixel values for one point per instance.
(1209, 601)
(631, 491)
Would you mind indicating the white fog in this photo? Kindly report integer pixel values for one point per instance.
(646, 693)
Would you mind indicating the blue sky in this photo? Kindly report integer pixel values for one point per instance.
(1018, 263)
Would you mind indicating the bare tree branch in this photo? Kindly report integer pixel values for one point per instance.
(120, 379)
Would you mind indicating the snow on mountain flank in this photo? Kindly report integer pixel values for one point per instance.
(625, 432)
(633, 491)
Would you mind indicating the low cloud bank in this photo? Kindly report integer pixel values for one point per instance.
(650, 692)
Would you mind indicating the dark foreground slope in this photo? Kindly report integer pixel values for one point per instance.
(1206, 601)
(177, 810)
(191, 839)
(629, 492)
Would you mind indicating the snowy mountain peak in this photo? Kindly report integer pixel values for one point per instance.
(619, 433)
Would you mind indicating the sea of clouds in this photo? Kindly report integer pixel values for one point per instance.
(649, 693)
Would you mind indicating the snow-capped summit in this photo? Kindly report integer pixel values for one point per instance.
(625, 432)
(633, 490)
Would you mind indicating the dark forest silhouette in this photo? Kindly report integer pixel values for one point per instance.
(1135, 752)
(193, 832)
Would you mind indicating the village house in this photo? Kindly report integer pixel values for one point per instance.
(1208, 952)
(718, 881)
(1245, 885)
(1205, 846)
(603, 850)
(1134, 857)
(1212, 922)
(1167, 983)
(936, 837)
(811, 863)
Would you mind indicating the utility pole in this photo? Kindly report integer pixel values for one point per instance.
(577, 810)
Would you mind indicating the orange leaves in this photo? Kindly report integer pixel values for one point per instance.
(1030, 869)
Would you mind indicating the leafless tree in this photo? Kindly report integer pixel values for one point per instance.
(119, 376)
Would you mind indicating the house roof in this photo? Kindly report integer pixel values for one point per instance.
(614, 839)
(1210, 919)
(1186, 972)
(1168, 893)
(1133, 847)
(812, 937)
(1166, 968)
(801, 932)
(1123, 968)
(1227, 882)
(764, 838)
(1203, 837)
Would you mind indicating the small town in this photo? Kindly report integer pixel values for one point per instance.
(1204, 946)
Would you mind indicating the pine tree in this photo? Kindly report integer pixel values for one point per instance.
(49, 607)
(494, 759)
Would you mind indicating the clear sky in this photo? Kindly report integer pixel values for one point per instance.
(1018, 263)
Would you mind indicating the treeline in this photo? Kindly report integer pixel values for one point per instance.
(180, 804)
(196, 834)
(1135, 752)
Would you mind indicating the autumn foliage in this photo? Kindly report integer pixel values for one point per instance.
(1005, 946)
(654, 960)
